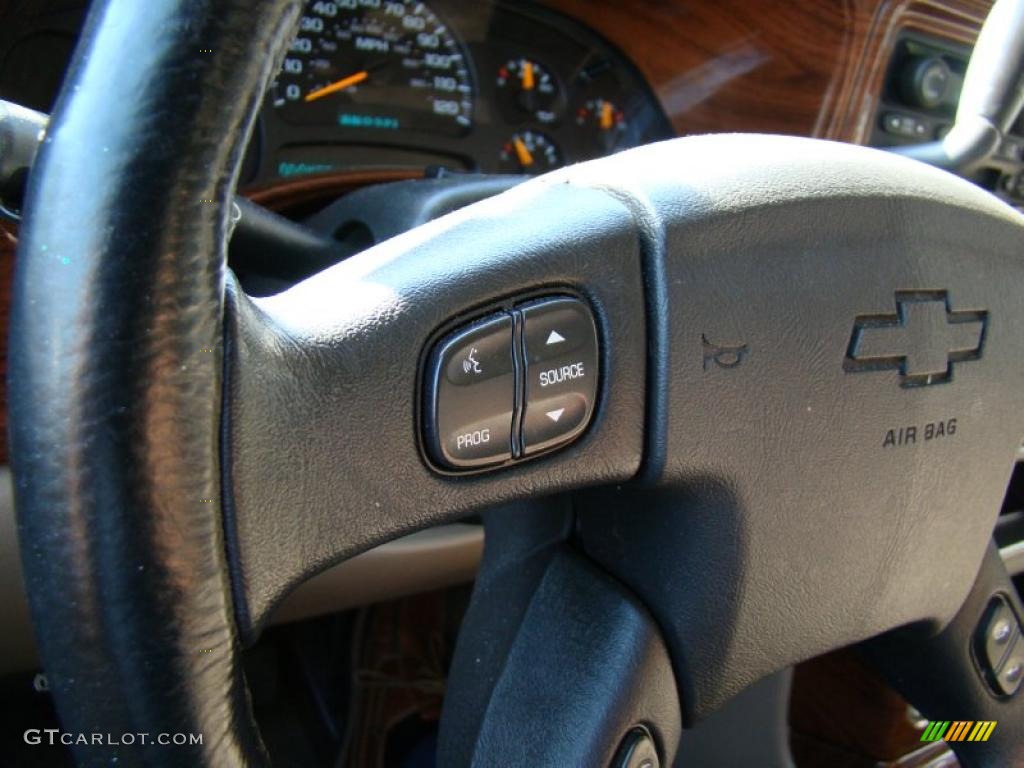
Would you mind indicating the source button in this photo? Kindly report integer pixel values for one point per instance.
(560, 342)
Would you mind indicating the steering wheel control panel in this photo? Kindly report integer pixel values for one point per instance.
(999, 648)
(511, 385)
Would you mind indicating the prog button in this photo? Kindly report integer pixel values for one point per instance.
(471, 393)
(560, 349)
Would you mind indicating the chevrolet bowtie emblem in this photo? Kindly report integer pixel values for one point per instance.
(922, 340)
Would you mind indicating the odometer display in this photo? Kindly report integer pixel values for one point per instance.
(375, 65)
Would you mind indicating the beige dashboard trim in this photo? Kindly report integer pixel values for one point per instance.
(1013, 556)
(430, 559)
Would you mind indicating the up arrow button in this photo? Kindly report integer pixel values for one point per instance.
(555, 338)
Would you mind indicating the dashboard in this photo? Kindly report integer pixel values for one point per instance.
(482, 87)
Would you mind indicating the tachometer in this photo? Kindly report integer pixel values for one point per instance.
(375, 65)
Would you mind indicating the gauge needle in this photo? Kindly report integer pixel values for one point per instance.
(527, 75)
(606, 115)
(522, 153)
(337, 85)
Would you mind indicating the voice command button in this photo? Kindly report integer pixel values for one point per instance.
(471, 396)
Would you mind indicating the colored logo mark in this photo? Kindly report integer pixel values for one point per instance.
(958, 730)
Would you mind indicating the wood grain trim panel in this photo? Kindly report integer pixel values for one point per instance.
(295, 194)
(841, 708)
(730, 65)
(813, 68)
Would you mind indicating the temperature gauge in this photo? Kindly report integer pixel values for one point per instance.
(530, 88)
(529, 152)
(604, 120)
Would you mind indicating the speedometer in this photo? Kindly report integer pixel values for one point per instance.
(375, 65)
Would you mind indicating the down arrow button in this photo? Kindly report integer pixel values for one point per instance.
(561, 354)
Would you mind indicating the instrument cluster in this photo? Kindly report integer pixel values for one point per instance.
(490, 87)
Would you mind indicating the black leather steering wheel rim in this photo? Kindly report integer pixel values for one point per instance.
(141, 269)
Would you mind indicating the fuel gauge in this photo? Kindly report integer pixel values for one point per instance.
(605, 121)
(529, 152)
(529, 87)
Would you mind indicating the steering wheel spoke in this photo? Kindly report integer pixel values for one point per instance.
(324, 423)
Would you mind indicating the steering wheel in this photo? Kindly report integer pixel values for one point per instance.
(809, 400)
